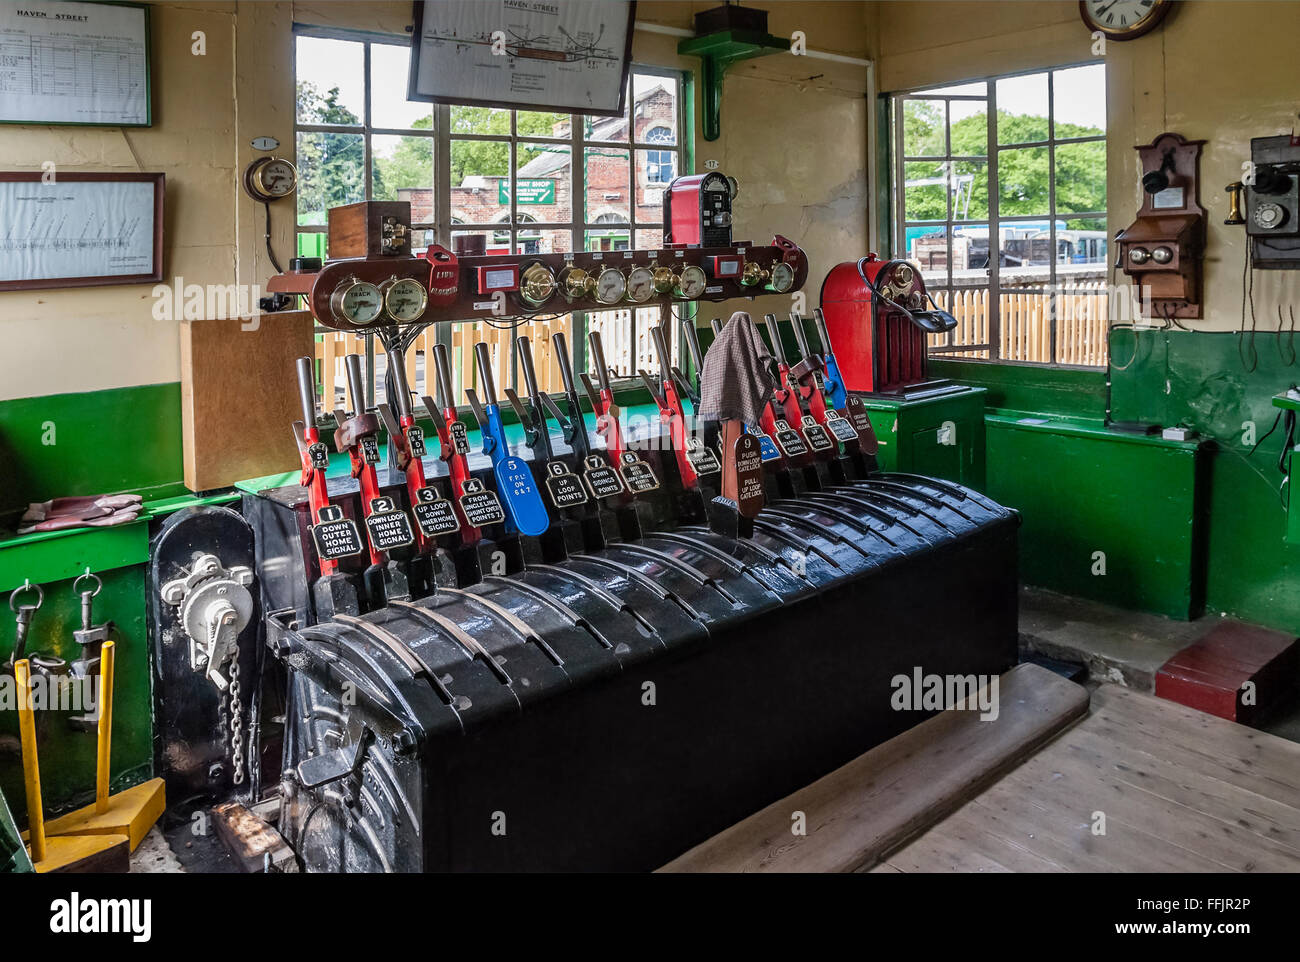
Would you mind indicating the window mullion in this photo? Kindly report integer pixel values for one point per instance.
(1052, 301)
(995, 233)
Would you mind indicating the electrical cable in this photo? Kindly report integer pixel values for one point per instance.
(270, 253)
(1290, 339)
(1247, 295)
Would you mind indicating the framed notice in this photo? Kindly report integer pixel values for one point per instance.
(80, 230)
(74, 63)
(569, 56)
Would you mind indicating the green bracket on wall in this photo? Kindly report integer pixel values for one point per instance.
(1290, 401)
(717, 52)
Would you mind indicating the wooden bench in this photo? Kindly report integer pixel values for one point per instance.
(863, 810)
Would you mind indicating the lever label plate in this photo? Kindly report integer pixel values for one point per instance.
(749, 475)
(857, 414)
(768, 448)
(336, 537)
(480, 505)
(603, 480)
(700, 457)
(459, 437)
(435, 515)
(319, 456)
(639, 476)
(564, 486)
(816, 434)
(388, 525)
(790, 441)
(370, 448)
(840, 427)
(515, 482)
(415, 438)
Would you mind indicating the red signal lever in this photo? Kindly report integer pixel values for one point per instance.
(453, 442)
(358, 436)
(315, 456)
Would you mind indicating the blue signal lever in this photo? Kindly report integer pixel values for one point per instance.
(834, 379)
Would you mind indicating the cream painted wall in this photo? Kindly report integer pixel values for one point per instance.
(794, 133)
(1205, 74)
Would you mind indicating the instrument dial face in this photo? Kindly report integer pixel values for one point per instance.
(536, 285)
(782, 277)
(357, 302)
(640, 285)
(405, 300)
(1269, 216)
(277, 177)
(611, 286)
(692, 282)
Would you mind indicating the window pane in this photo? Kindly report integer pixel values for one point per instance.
(655, 169)
(331, 85)
(927, 248)
(1022, 109)
(545, 365)
(970, 254)
(655, 109)
(925, 191)
(402, 169)
(1025, 320)
(970, 305)
(649, 239)
(608, 185)
(924, 126)
(977, 89)
(1081, 177)
(479, 120)
(612, 129)
(969, 120)
(487, 238)
(626, 339)
(538, 240)
(970, 190)
(531, 124)
(331, 172)
(1023, 182)
(1082, 318)
(478, 169)
(1080, 101)
(543, 183)
(389, 107)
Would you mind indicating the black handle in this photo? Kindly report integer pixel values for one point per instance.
(526, 364)
(716, 324)
(598, 358)
(800, 335)
(356, 384)
(401, 399)
(561, 347)
(820, 318)
(778, 349)
(692, 339)
(484, 359)
(444, 377)
(307, 391)
(661, 349)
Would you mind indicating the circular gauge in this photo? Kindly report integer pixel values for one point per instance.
(691, 283)
(782, 277)
(752, 274)
(1162, 255)
(356, 302)
(640, 285)
(903, 275)
(576, 283)
(665, 280)
(611, 286)
(270, 178)
(1139, 255)
(536, 284)
(405, 299)
(1269, 216)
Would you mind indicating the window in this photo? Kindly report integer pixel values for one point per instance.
(1000, 201)
(506, 176)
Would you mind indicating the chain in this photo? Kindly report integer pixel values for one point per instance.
(236, 730)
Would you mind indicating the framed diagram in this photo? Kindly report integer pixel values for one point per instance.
(80, 230)
(568, 57)
(64, 62)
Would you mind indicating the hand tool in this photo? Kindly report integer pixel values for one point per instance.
(525, 509)
(387, 525)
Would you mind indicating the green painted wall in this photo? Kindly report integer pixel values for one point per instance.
(1070, 392)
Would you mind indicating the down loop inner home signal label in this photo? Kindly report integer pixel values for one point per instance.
(638, 475)
(480, 505)
(434, 515)
(336, 537)
(388, 525)
(564, 486)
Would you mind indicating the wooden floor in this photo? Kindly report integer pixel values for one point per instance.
(1181, 791)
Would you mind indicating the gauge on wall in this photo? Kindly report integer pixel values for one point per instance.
(611, 286)
(356, 302)
(640, 285)
(782, 277)
(1124, 19)
(691, 283)
(270, 178)
(536, 284)
(404, 299)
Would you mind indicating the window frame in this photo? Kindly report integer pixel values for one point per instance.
(899, 160)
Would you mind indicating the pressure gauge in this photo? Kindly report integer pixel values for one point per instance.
(1162, 255)
(576, 283)
(782, 277)
(1269, 216)
(270, 178)
(356, 302)
(640, 285)
(404, 299)
(665, 280)
(752, 274)
(536, 284)
(1139, 255)
(611, 286)
(903, 276)
(691, 283)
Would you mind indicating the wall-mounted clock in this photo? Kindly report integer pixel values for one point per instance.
(1124, 19)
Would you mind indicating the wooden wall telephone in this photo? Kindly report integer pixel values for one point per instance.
(1162, 249)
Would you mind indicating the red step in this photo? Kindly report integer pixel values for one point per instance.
(1210, 674)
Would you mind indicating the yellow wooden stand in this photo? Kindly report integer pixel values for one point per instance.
(132, 812)
(71, 853)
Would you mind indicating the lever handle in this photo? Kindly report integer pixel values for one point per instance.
(484, 359)
(778, 349)
(820, 318)
(716, 324)
(561, 346)
(307, 391)
(401, 399)
(435, 415)
(661, 348)
(356, 384)
(444, 377)
(692, 339)
(800, 335)
(598, 359)
(526, 364)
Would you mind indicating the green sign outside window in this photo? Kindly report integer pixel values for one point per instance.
(530, 192)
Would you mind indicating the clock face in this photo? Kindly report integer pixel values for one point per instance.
(1123, 19)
